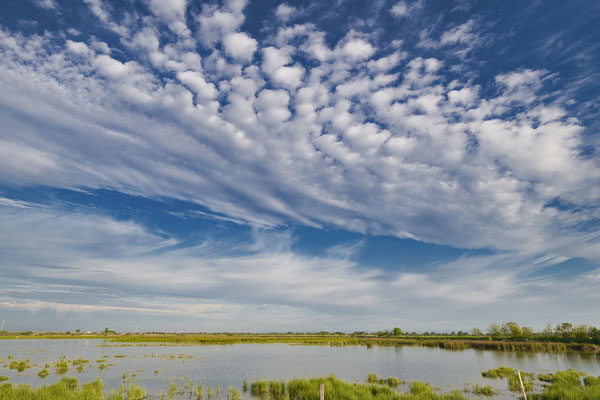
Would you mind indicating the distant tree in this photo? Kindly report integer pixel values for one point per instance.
(581, 332)
(476, 332)
(595, 334)
(383, 333)
(511, 329)
(77, 330)
(397, 332)
(564, 330)
(527, 331)
(494, 330)
(547, 332)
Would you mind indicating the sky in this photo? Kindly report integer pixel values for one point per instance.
(251, 165)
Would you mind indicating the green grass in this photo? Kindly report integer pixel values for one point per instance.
(514, 385)
(43, 373)
(66, 389)
(20, 365)
(393, 381)
(4, 378)
(258, 388)
(566, 385)
(308, 389)
(486, 390)
(234, 394)
(276, 390)
(61, 367)
(536, 343)
(562, 385)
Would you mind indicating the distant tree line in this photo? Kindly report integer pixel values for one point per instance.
(564, 331)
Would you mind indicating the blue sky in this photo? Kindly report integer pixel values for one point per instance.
(181, 165)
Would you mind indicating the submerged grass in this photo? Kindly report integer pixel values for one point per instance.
(20, 365)
(514, 385)
(486, 390)
(66, 389)
(61, 367)
(448, 342)
(308, 389)
(563, 385)
(566, 385)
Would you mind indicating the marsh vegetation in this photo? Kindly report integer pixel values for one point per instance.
(562, 385)
(160, 371)
(508, 336)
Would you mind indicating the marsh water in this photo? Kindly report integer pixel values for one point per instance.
(156, 366)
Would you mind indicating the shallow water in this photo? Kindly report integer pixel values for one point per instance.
(230, 365)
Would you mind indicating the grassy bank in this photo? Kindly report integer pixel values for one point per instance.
(442, 342)
(457, 343)
(563, 385)
(69, 389)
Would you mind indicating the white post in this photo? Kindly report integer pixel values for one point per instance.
(522, 387)
(321, 392)
(1, 329)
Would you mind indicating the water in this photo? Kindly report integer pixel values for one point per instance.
(230, 365)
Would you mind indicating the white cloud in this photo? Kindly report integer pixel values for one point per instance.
(274, 58)
(168, 9)
(284, 11)
(288, 77)
(272, 106)
(240, 46)
(461, 39)
(465, 96)
(386, 63)
(94, 264)
(339, 142)
(77, 47)
(99, 10)
(405, 9)
(195, 81)
(357, 49)
(47, 4)
(215, 23)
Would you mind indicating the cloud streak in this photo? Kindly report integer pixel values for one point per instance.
(289, 125)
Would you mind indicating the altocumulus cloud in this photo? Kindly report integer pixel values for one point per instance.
(281, 126)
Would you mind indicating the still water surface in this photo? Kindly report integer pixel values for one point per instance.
(230, 365)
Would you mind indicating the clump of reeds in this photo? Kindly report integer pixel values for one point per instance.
(486, 390)
(393, 381)
(234, 394)
(65, 389)
(514, 384)
(259, 388)
(420, 388)
(61, 367)
(20, 365)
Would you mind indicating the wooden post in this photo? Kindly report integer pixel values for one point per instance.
(321, 392)
(522, 387)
